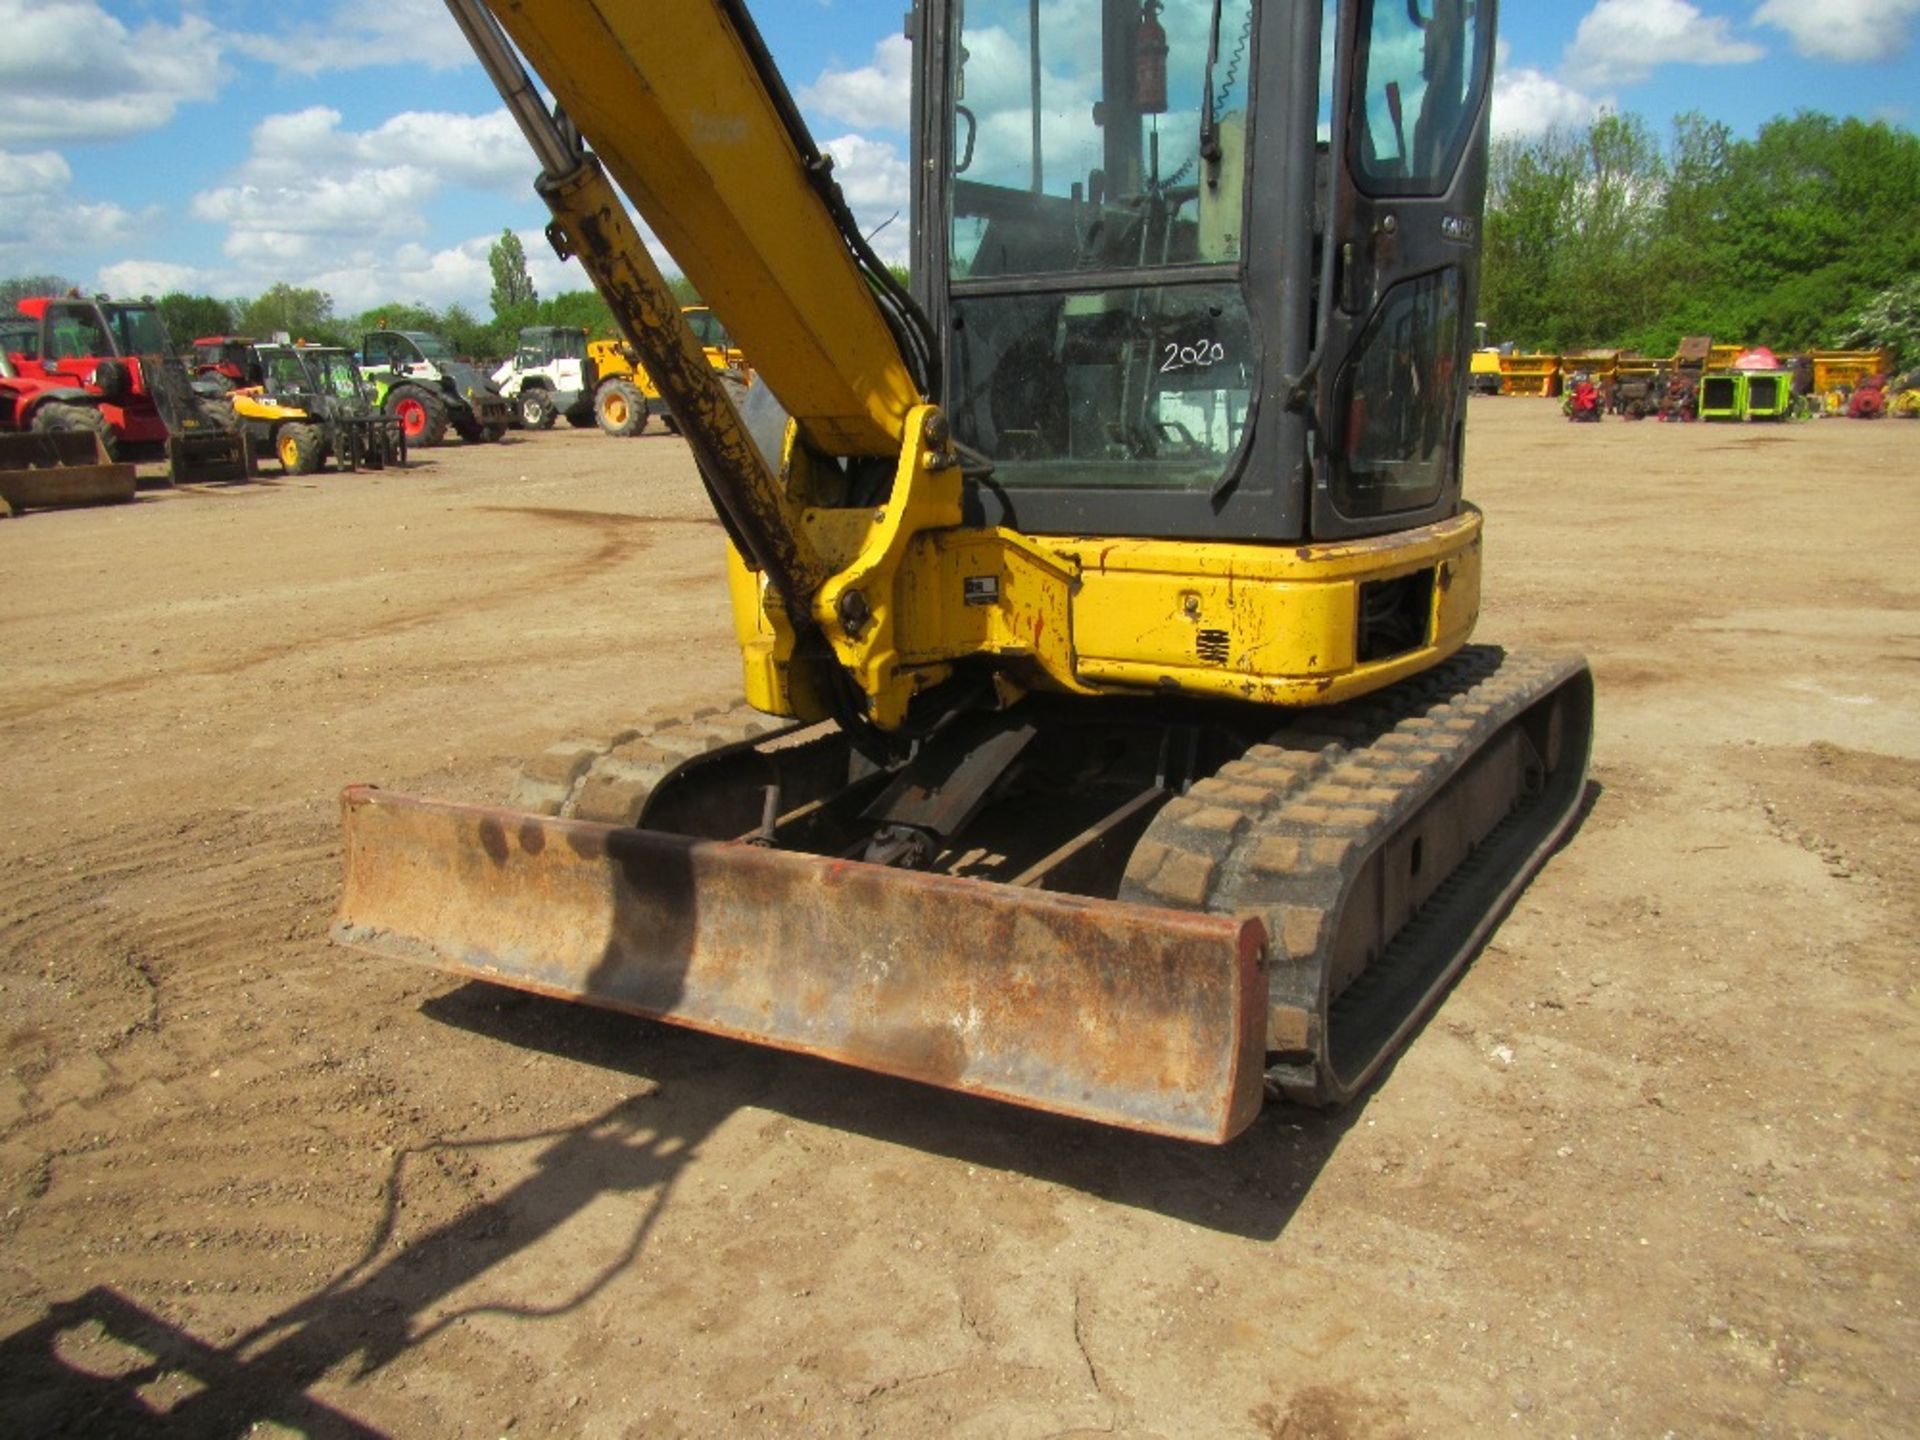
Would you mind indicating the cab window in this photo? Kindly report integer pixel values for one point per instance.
(1421, 82)
(74, 331)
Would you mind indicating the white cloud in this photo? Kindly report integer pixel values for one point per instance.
(1845, 30)
(874, 177)
(1622, 42)
(1530, 102)
(1527, 101)
(369, 204)
(152, 277)
(361, 33)
(417, 274)
(407, 273)
(33, 173)
(41, 216)
(70, 72)
(309, 190)
(324, 207)
(871, 97)
(484, 152)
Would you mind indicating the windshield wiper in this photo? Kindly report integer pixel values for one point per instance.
(1209, 127)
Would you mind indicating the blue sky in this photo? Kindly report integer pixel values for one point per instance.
(352, 146)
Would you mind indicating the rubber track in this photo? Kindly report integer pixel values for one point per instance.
(610, 780)
(1283, 831)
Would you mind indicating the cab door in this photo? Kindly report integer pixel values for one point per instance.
(1407, 189)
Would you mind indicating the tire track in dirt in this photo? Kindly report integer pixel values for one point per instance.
(190, 948)
(127, 921)
(621, 537)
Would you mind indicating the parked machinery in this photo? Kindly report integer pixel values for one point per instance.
(1585, 401)
(418, 379)
(312, 405)
(225, 362)
(108, 367)
(627, 397)
(1638, 391)
(1905, 404)
(550, 375)
(1869, 399)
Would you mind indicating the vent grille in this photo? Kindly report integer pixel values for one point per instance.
(1212, 646)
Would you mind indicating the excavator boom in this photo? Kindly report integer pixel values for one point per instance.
(707, 151)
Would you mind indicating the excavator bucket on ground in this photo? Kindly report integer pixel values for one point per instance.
(57, 470)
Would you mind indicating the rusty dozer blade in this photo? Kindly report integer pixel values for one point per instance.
(52, 470)
(1134, 1016)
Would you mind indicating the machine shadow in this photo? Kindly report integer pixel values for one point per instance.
(397, 1295)
(1249, 1187)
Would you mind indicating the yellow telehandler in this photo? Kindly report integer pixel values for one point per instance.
(1115, 745)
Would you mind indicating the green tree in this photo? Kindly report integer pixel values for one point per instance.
(1597, 238)
(582, 308)
(1612, 290)
(1686, 271)
(190, 316)
(512, 286)
(12, 292)
(1532, 190)
(301, 314)
(1808, 221)
(460, 329)
(1890, 319)
(396, 316)
(1571, 223)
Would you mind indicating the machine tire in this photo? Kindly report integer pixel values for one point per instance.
(422, 414)
(536, 409)
(494, 433)
(57, 416)
(299, 448)
(620, 408)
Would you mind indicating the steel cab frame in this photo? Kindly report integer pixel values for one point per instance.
(1084, 259)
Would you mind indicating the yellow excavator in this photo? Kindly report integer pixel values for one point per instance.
(1113, 743)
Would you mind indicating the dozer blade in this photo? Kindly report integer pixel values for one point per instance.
(59, 469)
(1134, 1016)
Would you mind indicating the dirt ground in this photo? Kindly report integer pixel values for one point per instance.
(1650, 1169)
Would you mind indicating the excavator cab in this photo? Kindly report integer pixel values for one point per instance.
(1112, 740)
(1126, 357)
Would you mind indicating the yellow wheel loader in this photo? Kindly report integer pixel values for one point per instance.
(627, 397)
(1113, 743)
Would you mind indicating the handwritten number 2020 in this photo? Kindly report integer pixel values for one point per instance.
(1197, 356)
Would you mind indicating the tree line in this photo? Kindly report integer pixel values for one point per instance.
(1806, 235)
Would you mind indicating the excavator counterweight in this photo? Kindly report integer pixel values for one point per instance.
(1113, 741)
